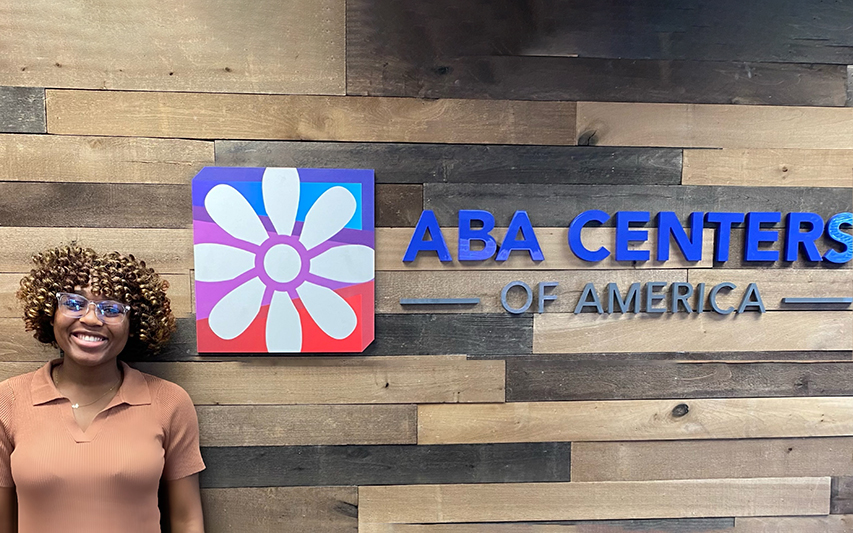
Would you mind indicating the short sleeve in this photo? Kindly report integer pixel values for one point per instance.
(183, 456)
(7, 400)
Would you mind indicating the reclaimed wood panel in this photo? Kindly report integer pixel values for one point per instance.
(585, 501)
(707, 332)
(12, 369)
(280, 509)
(642, 461)
(794, 524)
(336, 380)
(842, 495)
(398, 205)
(192, 46)
(461, 163)
(22, 110)
(556, 205)
(714, 126)
(542, 380)
(768, 168)
(319, 118)
(671, 525)
(384, 465)
(622, 420)
(391, 286)
(101, 159)
(296, 425)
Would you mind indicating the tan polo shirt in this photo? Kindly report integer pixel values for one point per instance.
(103, 480)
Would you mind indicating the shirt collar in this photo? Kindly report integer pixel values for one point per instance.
(133, 391)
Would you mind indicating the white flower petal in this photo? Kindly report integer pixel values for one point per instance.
(349, 263)
(220, 262)
(235, 312)
(281, 197)
(331, 312)
(284, 329)
(329, 214)
(233, 213)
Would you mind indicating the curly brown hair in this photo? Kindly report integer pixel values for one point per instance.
(110, 275)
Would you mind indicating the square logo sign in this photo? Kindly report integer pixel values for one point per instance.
(284, 259)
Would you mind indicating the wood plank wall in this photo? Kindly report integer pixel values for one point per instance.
(469, 420)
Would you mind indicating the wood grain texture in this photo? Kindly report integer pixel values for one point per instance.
(556, 205)
(461, 163)
(641, 461)
(584, 501)
(22, 110)
(298, 425)
(635, 420)
(280, 510)
(335, 380)
(398, 205)
(793, 524)
(383, 465)
(195, 46)
(774, 330)
(768, 168)
(714, 126)
(672, 525)
(320, 118)
(101, 159)
(842, 495)
(783, 356)
(537, 380)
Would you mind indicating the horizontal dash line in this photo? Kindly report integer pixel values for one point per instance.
(439, 301)
(817, 300)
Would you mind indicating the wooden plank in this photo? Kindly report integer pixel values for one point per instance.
(392, 286)
(842, 495)
(695, 357)
(335, 380)
(22, 110)
(320, 118)
(280, 509)
(383, 465)
(194, 46)
(642, 461)
(771, 331)
(557, 205)
(398, 205)
(585, 501)
(536, 380)
(714, 126)
(635, 420)
(672, 525)
(461, 163)
(737, 251)
(795, 524)
(101, 159)
(297, 425)
(768, 168)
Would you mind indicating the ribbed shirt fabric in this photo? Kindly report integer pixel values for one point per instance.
(103, 480)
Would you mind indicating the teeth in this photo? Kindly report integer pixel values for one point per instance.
(89, 338)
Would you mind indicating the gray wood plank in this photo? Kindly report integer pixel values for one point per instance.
(841, 501)
(542, 380)
(785, 356)
(460, 163)
(384, 465)
(22, 110)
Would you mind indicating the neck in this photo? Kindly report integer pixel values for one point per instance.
(99, 376)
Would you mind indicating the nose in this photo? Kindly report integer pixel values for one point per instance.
(91, 316)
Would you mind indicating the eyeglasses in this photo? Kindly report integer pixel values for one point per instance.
(76, 306)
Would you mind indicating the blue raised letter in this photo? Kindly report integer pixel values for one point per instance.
(624, 235)
(668, 224)
(575, 229)
(520, 222)
(794, 237)
(417, 244)
(755, 235)
(722, 241)
(833, 231)
(468, 234)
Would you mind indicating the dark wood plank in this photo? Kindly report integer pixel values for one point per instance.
(461, 163)
(849, 86)
(672, 525)
(781, 356)
(22, 110)
(384, 465)
(841, 501)
(399, 205)
(556, 205)
(537, 380)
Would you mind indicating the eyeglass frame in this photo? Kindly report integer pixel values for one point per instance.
(98, 311)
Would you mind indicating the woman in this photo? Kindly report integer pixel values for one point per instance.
(86, 440)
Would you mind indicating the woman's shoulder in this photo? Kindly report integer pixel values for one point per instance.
(16, 386)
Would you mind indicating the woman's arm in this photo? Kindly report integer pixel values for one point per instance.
(185, 505)
(8, 510)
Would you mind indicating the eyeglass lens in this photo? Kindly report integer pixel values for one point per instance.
(75, 305)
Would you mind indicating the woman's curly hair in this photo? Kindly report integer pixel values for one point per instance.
(113, 276)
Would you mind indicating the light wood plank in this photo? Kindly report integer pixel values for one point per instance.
(398, 379)
(795, 524)
(280, 510)
(672, 525)
(221, 46)
(588, 501)
(299, 425)
(8, 370)
(631, 420)
(682, 332)
(101, 159)
(641, 461)
(714, 126)
(768, 168)
(230, 116)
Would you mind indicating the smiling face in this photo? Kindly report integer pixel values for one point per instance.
(87, 340)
